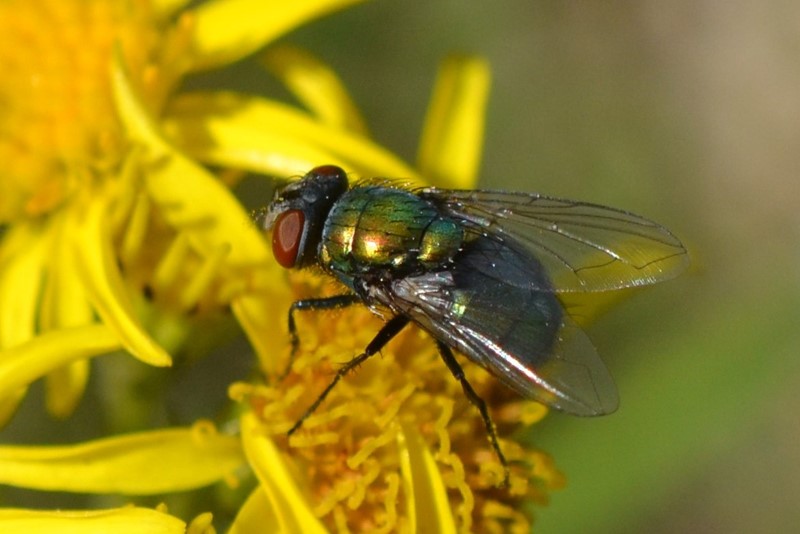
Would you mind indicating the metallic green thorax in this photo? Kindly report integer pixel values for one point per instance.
(371, 227)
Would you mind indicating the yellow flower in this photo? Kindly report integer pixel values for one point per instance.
(102, 211)
(112, 215)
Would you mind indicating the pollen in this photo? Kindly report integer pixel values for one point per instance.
(56, 111)
(349, 452)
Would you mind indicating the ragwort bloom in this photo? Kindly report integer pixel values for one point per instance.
(111, 211)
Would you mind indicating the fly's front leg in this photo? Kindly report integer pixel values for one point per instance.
(384, 336)
(474, 398)
(326, 303)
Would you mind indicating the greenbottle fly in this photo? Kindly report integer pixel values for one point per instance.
(480, 271)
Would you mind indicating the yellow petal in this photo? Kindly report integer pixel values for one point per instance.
(429, 507)
(202, 524)
(22, 262)
(133, 114)
(316, 86)
(264, 152)
(64, 298)
(9, 403)
(64, 388)
(21, 365)
(256, 515)
(294, 513)
(101, 277)
(145, 463)
(242, 131)
(452, 139)
(227, 30)
(190, 198)
(263, 319)
(22, 259)
(64, 304)
(127, 520)
(166, 8)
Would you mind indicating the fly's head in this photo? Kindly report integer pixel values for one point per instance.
(297, 215)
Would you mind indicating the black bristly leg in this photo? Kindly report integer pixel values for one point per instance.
(326, 303)
(458, 373)
(384, 336)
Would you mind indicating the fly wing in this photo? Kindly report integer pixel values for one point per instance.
(582, 247)
(492, 308)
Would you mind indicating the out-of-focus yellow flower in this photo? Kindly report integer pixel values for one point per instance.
(109, 205)
(102, 208)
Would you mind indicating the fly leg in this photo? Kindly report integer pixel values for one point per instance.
(384, 336)
(327, 303)
(458, 373)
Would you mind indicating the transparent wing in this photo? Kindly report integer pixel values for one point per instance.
(582, 247)
(488, 306)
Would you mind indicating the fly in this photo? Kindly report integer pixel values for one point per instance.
(480, 271)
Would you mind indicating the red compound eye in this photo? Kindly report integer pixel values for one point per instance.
(286, 236)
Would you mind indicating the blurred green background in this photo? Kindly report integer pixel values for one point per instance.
(687, 112)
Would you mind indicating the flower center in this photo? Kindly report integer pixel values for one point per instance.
(56, 111)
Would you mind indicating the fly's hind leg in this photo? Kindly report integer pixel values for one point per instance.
(384, 336)
(474, 398)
